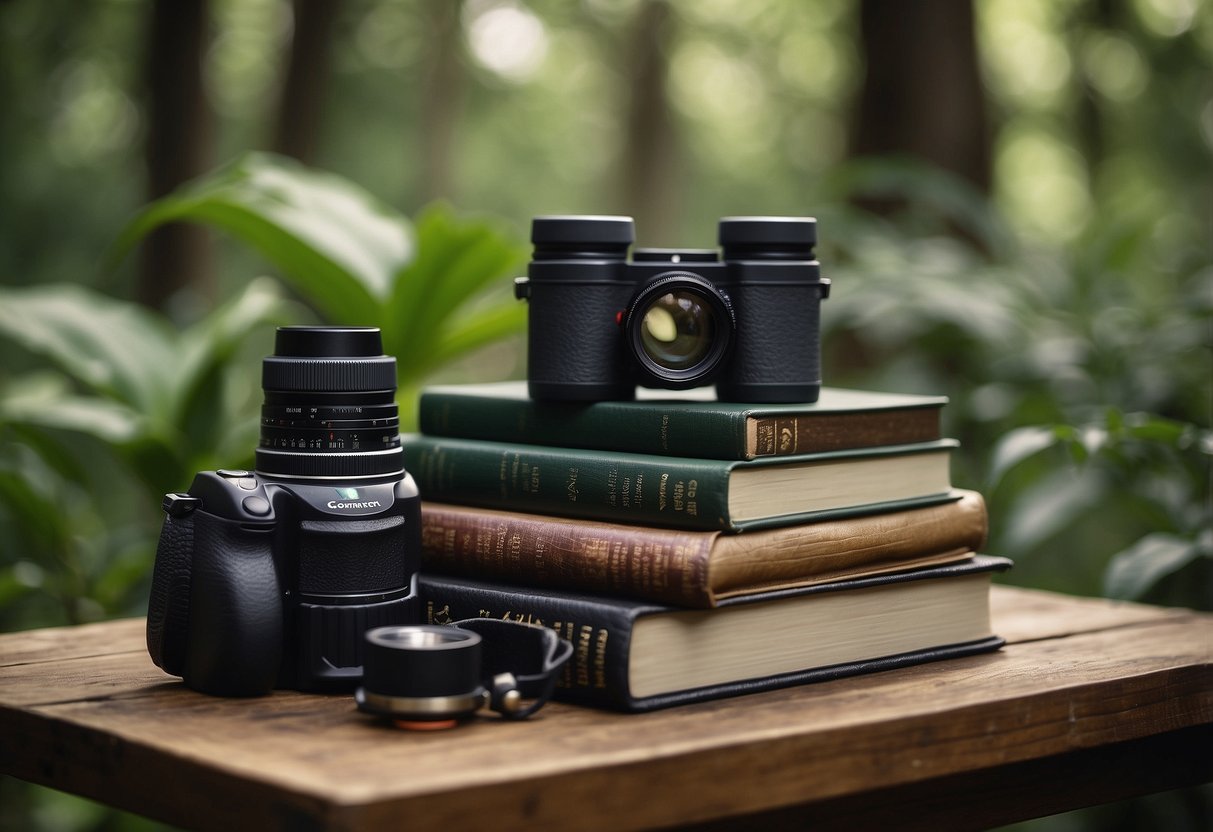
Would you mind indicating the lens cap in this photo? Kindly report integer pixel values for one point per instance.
(314, 359)
(328, 341)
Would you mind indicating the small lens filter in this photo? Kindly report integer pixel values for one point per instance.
(421, 676)
(426, 677)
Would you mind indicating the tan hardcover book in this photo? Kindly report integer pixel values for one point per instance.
(689, 568)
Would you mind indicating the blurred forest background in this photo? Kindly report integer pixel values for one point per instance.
(1015, 203)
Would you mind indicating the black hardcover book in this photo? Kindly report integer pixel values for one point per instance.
(637, 656)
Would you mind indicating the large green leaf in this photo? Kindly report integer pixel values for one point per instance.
(204, 416)
(335, 242)
(474, 331)
(1134, 570)
(117, 349)
(44, 400)
(1017, 445)
(457, 260)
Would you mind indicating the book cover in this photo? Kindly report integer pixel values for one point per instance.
(636, 656)
(687, 423)
(686, 493)
(692, 568)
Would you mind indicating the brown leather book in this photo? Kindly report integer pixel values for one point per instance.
(693, 569)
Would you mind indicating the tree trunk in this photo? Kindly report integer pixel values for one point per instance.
(442, 97)
(922, 93)
(179, 136)
(650, 156)
(301, 102)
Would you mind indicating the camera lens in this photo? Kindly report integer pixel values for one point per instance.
(330, 405)
(679, 328)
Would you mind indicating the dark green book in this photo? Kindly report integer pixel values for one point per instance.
(688, 423)
(679, 492)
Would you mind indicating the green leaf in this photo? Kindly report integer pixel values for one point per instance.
(1136, 569)
(28, 490)
(44, 401)
(1018, 445)
(1151, 428)
(457, 260)
(215, 338)
(207, 351)
(1048, 506)
(478, 330)
(337, 244)
(118, 349)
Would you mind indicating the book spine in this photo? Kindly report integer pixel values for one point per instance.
(786, 435)
(628, 561)
(658, 491)
(597, 673)
(667, 431)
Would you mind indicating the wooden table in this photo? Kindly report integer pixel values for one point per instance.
(1091, 701)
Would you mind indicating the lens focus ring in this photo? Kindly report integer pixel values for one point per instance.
(329, 375)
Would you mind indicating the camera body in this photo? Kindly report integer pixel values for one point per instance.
(746, 318)
(270, 578)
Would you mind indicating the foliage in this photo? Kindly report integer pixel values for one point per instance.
(1079, 379)
(116, 400)
(117, 409)
(436, 289)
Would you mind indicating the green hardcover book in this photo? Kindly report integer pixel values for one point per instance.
(688, 423)
(679, 492)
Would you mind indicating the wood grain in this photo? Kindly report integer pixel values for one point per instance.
(84, 709)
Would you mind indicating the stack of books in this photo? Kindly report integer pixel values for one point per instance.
(692, 549)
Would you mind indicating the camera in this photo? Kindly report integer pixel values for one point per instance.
(746, 318)
(270, 578)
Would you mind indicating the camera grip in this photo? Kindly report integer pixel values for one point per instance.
(168, 609)
(235, 608)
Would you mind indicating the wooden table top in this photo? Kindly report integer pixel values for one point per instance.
(1124, 691)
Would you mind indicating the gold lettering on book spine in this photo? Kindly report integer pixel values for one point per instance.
(564, 629)
(570, 486)
(597, 560)
(765, 443)
(581, 655)
(600, 648)
(787, 436)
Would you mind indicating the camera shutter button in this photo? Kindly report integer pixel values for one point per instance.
(258, 506)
